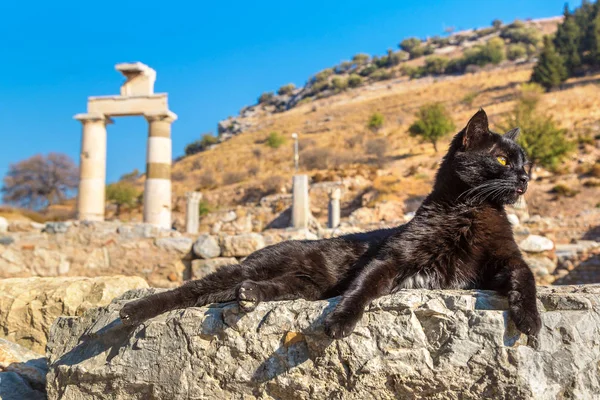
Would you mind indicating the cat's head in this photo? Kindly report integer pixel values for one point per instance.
(489, 167)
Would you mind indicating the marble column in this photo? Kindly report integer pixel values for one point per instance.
(92, 167)
(333, 220)
(300, 202)
(157, 190)
(192, 215)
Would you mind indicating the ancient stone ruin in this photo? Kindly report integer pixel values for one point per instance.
(137, 97)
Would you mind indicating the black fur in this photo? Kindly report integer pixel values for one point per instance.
(459, 238)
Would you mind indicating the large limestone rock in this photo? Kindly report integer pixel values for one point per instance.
(241, 245)
(22, 373)
(28, 306)
(413, 344)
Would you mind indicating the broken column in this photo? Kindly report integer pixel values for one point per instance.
(140, 79)
(92, 167)
(157, 192)
(300, 202)
(192, 214)
(333, 220)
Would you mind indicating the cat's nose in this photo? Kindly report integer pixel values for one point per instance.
(523, 179)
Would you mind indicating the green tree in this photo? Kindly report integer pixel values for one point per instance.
(433, 122)
(497, 23)
(122, 194)
(275, 140)
(339, 84)
(515, 51)
(550, 70)
(567, 41)
(594, 38)
(375, 122)
(544, 142)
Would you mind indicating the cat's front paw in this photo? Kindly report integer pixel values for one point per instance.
(132, 313)
(527, 321)
(340, 325)
(248, 295)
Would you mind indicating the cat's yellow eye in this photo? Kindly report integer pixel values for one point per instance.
(501, 160)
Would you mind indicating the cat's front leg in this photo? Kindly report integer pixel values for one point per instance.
(518, 284)
(374, 281)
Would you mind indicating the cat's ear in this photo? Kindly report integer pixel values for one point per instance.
(477, 128)
(513, 134)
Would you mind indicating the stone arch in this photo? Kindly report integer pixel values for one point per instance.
(137, 98)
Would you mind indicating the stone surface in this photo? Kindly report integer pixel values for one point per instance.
(513, 219)
(6, 240)
(179, 244)
(56, 227)
(241, 245)
(536, 244)
(207, 246)
(28, 306)
(410, 345)
(22, 373)
(201, 268)
(3, 225)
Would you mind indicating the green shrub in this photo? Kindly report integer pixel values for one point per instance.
(323, 75)
(286, 89)
(433, 122)
(485, 31)
(412, 71)
(375, 121)
(381, 74)
(518, 32)
(339, 84)
(563, 190)
(435, 65)
(354, 80)
(361, 59)
(344, 67)
(497, 24)
(515, 51)
(201, 145)
(368, 70)
(204, 208)
(266, 98)
(410, 44)
(275, 140)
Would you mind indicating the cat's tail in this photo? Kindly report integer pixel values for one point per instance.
(219, 286)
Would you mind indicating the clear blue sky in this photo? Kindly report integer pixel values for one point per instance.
(212, 57)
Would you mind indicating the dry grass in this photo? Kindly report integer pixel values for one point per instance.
(333, 131)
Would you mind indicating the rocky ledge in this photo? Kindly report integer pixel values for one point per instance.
(413, 344)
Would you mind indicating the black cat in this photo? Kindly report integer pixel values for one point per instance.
(459, 238)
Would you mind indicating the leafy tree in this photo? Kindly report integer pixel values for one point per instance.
(543, 141)
(497, 23)
(550, 70)
(375, 121)
(40, 181)
(275, 140)
(594, 38)
(567, 41)
(286, 89)
(433, 122)
(201, 145)
(122, 194)
(322, 76)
